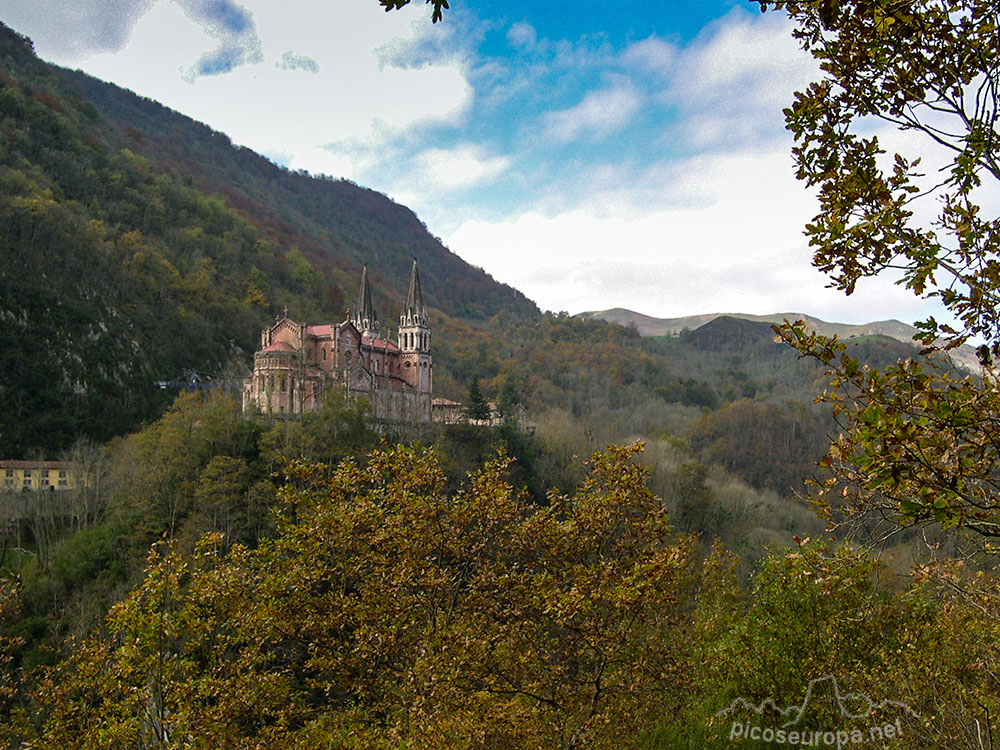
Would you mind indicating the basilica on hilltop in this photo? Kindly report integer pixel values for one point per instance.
(297, 364)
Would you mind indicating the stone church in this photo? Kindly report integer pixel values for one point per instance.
(298, 363)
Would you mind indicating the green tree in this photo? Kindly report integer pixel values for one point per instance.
(389, 613)
(808, 618)
(918, 440)
(508, 399)
(337, 430)
(477, 409)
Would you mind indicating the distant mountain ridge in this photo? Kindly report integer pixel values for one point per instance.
(647, 325)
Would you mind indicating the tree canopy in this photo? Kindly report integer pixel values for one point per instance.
(387, 612)
(919, 440)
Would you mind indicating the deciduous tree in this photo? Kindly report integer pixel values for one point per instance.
(389, 612)
(919, 441)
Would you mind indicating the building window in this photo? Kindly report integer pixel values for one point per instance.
(45, 483)
(10, 472)
(324, 354)
(63, 474)
(45, 473)
(8, 483)
(63, 483)
(27, 484)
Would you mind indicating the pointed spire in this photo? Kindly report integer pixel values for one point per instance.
(415, 299)
(365, 318)
(414, 335)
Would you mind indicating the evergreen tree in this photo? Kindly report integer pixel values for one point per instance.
(477, 408)
(507, 400)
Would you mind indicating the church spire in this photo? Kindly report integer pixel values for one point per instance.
(414, 299)
(414, 334)
(365, 319)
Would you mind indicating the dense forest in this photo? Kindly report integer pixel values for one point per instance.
(640, 568)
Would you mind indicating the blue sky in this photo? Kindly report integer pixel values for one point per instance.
(591, 154)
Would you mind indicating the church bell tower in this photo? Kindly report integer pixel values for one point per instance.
(365, 319)
(415, 337)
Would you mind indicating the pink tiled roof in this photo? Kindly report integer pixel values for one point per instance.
(278, 346)
(324, 330)
(379, 343)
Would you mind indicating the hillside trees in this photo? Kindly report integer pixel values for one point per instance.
(387, 611)
(770, 445)
(807, 619)
(919, 441)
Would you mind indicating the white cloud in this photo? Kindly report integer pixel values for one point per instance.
(738, 248)
(62, 31)
(744, 56)
(732, 83)
(353, 95)
(599, 113)
(522, 35)
(459, 167)
(652, 54)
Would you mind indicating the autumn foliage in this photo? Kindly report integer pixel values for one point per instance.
(386, 613)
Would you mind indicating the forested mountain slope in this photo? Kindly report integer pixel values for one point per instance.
(137, 244)
(646, 325)
(333, 222)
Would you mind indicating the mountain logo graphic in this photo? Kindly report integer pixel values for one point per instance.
(852, 706)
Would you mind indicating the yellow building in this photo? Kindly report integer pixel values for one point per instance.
(39, 475)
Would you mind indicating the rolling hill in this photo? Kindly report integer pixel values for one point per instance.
(646, 325)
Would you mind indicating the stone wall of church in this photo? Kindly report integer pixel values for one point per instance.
(398, 405)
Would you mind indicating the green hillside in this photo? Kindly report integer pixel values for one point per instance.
(139, 244)
(646, 325)
(130, 256)
(632, 566)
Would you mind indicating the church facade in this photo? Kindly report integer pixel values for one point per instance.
(297, 364)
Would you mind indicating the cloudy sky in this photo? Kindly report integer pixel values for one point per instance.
(591, 154)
